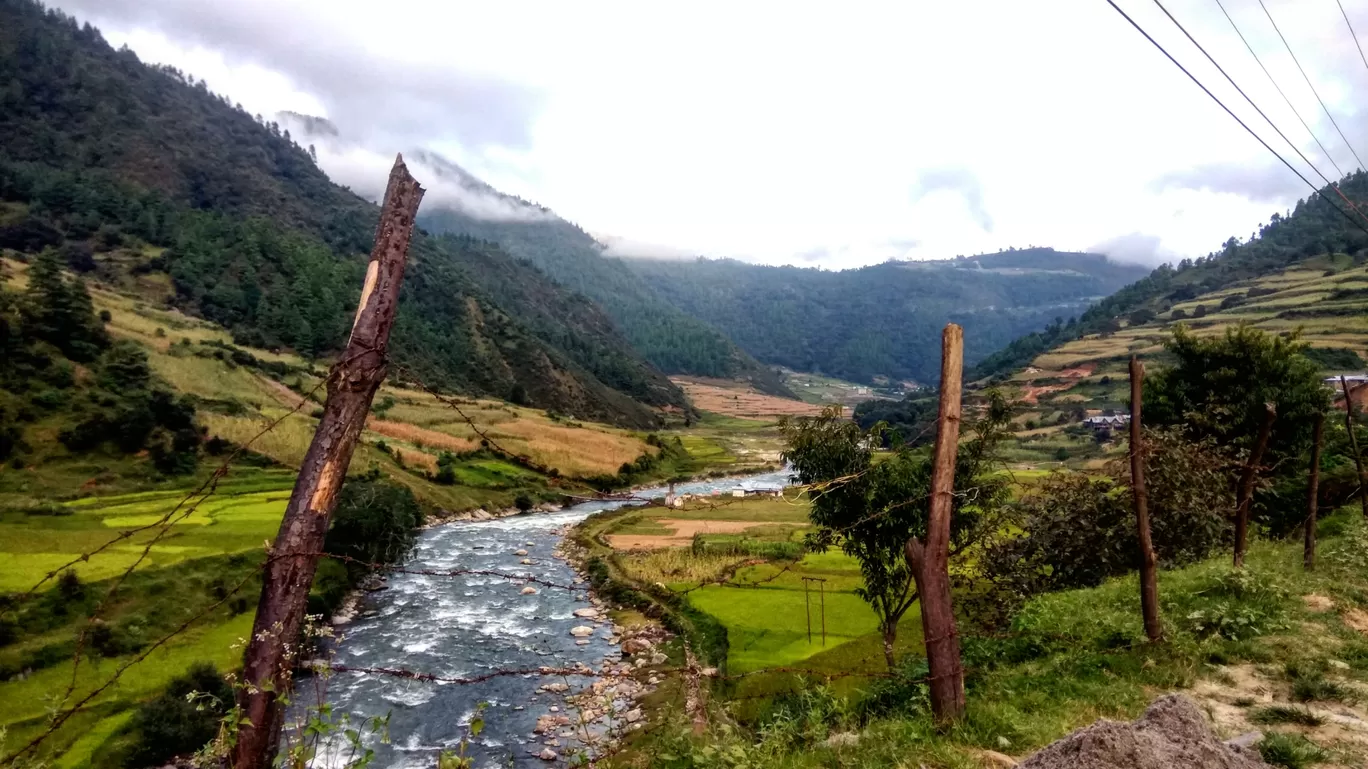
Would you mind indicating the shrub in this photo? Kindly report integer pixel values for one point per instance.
(69, 587)
(523, 503)
(1291, 750)
(1285, 714)
(174, 724)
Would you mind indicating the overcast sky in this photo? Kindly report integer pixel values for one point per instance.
(835, 134)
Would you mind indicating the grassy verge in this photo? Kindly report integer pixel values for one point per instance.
(1249, 646)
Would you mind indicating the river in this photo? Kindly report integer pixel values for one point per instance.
(464, 626)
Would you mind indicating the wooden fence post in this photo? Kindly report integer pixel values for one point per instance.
(289, 571)
(931, 562)
(1353, 443)
(1245, 497)
(1149, 579)
(1312, 495)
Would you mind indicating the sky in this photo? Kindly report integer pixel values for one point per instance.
(815, 134)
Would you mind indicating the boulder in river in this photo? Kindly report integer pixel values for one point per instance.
(519, 552)
(587, 613)
(581, 631)
(529, 590)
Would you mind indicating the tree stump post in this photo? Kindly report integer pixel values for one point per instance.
(1245, 498)
(931, 561)
(292, 561)
(1312, 496)
(1149, 579)
(1353, 444)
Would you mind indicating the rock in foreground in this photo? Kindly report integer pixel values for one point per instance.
(1172, 734)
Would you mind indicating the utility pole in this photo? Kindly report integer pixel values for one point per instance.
(293, 559)
(931, 561)
(1149, 579)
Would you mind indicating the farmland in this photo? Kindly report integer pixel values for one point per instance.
(1324, 299)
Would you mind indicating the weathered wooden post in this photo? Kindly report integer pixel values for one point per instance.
(1353, 444)
(1312, 495)
(931, 561)
(1245, 498)
(293, 559)
(1149, 579)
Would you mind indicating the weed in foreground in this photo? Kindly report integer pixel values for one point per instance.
(1285, 714)
(1291, 750)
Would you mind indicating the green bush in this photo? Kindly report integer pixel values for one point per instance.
(182, 719)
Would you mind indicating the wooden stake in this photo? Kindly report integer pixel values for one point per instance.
(289, 573)
(1149, 579)
(1245, 498)
(1312, 496)
(807, 609)
(822, 586)
(1353, 444)
(931, 562)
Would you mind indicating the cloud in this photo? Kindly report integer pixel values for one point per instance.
(1264, 182)
(1134, 248)
(631, 248)
(366, 171)
(379, 98)
(958, 180)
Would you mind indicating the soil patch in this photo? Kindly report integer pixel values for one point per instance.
(684, 531)
(1172, 734)
(734, 399)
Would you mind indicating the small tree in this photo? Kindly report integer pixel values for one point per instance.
(870, 510)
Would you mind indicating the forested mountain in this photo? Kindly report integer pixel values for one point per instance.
(1312, 228)
(672, 340)
(884, 320)
(98, 150)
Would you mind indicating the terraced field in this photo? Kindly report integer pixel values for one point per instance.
(1324, 299)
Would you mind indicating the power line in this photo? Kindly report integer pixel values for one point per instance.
(1307, 78)
(1231, 81)
(1351, 33)
(1339, 172)
(1237, 119)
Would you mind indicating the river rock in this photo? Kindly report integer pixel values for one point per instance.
(519, 552)
(581, 631)
(526, 562)
(556, 686)
(632, 716)
(582, 642)
(587, 613)
(548, 754)
(529, 590)
(636, 645)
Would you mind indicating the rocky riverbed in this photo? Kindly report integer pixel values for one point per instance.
(579, 677)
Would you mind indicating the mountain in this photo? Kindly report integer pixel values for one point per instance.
(1313, 228)
(98, 150)
(674, 341)
(884, 321)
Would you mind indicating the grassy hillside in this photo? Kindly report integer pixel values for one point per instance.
(882, 323)
(1324, 298)
(99, 151)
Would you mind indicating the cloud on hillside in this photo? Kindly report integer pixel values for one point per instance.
(1134, 248)
(378, 97)
(366, 172)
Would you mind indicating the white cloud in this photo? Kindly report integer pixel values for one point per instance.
(779, 131)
